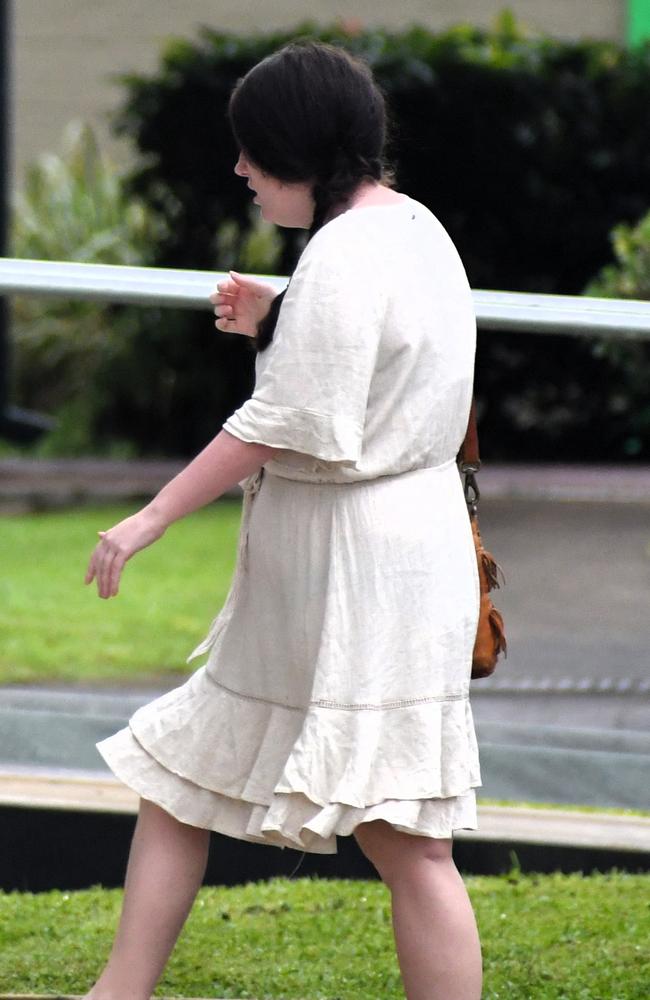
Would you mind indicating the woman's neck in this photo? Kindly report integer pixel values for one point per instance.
(368, 194)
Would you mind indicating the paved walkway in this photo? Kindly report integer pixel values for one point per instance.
(25, 481)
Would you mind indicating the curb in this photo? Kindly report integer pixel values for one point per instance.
(504, 824)
(37, 483)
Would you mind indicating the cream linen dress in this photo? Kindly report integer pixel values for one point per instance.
(336, 685)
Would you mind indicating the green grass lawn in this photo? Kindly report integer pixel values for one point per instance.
(55, 628)
(552, 937)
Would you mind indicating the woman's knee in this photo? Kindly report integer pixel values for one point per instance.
(161, 822)
(397, 855)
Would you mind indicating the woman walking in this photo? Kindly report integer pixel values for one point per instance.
(334, 698)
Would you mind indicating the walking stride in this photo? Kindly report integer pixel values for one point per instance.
(333, 699)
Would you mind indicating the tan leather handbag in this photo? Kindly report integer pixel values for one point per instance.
(490, 635)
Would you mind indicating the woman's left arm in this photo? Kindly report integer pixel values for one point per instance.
(222, 464)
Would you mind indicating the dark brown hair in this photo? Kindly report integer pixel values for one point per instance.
(311, 112)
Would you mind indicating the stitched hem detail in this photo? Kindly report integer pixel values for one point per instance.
(403, 703)
(341, 706)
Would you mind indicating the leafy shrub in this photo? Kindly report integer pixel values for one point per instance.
(73, 207)
(628, 362)
(629, 277)
(80, 359)
(528, 149)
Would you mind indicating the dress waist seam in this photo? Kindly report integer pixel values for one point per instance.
(392, 476)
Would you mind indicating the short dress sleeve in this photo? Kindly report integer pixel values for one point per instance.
(312, 382)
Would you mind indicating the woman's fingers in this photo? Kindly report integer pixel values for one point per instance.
(225, 290)
(225, 313)
(117, 546)
(90, 572)
(259, 288)
(106, 555)
(229, 320)
(224, 308)
(115, 574)
(105, 566)
(226, 323)
(240, 303)
(231, 287)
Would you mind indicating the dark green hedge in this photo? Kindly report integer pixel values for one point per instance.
(529, 150)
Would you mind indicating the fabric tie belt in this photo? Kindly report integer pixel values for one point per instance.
(251, 487)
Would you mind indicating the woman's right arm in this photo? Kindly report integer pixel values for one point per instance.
(240, 305)
(226, 460)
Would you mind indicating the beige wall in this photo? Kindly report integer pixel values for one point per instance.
(66, 50)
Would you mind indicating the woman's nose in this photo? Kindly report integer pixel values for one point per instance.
(241, 167)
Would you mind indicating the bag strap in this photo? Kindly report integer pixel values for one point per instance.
(469, 461)
(469, 454)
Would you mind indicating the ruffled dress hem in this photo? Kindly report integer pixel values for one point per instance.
(299, 777)
(292, 820)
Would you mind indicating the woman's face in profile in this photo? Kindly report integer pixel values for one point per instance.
(281, 202)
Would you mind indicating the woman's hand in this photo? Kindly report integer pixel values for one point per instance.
(241, 304)
(117, 545)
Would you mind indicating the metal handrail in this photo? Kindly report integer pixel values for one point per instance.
(184, 289)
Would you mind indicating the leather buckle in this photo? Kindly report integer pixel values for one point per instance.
(470, 488)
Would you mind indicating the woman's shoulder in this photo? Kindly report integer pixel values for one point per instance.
(359, 234)
(342, 245)
(376, 226)
(374, 243)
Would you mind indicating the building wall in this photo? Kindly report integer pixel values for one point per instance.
(65, 51)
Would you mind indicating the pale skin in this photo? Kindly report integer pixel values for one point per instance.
(435, 932)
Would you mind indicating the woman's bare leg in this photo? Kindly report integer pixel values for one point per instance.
(435, 931)
(166, 867)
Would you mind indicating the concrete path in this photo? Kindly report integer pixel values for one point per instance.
(504, 824)
(576, 599)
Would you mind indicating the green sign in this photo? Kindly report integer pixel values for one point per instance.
(638, 21)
